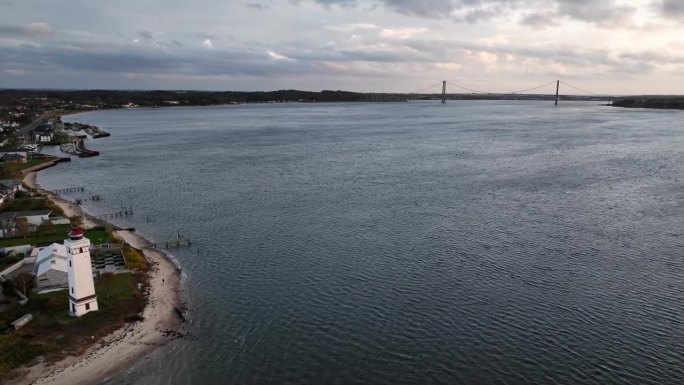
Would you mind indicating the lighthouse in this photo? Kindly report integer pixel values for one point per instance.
(82, 297)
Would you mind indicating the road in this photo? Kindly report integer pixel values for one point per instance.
(27, 128)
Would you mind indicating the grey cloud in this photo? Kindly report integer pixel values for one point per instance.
(652, 57)
(672, 8)
(432, 8)
(540, 20)
(595, 11)
(601, 12)
(93, 54)
(328, 3)
(130, 59)
(427, 8)
(147, 35)
(33, 30)
(571, 56)
(257, 6)
(10, 30)
(204, 35)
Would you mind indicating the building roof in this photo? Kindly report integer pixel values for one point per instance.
(53, 257)
(18, 214)
(10, 182)
(33, 213)
(44, 130)
(12, 157)
(8, 216)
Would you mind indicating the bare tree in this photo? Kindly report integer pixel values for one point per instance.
(23, 282)
(22, 226)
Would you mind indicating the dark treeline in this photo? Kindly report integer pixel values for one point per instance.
(672, 102)
(112, 98)
(39, 99)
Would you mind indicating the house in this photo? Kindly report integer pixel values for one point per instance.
(8, 220)
(51, 268)
(9, 186)
(12, 158)
(44, 133)
(7, 124)
(34, 218)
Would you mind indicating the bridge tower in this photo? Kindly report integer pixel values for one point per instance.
(557, 88)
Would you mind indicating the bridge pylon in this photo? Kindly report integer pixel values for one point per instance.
(557, 88)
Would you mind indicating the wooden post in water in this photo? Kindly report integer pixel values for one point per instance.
(557, 87)
(443, 91)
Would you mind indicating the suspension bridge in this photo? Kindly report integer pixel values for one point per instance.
(553, 93)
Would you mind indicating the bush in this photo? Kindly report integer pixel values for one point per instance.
(134, 258)
(15, 351)
(7, 288)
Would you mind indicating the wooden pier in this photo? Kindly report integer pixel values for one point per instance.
(121, 213)
(94, 198)
(178, 242)
(68, 190)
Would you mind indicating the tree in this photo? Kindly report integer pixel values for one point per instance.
(23, 282)
(22, 226)
(7, 288)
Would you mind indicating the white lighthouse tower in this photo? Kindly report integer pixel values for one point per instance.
(82, 298)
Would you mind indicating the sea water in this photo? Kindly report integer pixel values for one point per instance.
(406, 243)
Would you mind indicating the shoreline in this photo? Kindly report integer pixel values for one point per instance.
(161, 323)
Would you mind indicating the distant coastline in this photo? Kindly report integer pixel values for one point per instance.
(84, 100)
(655, 102)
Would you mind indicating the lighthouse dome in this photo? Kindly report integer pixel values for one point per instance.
(76, 233)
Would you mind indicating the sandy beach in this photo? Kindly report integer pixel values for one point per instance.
(124, 347)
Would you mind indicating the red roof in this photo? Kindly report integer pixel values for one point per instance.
(76, 232)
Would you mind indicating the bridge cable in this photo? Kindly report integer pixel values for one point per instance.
(427, 88)
(468, 89)
(579, 89)
(532, 89)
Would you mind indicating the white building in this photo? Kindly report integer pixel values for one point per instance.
(51, 268)
(82, 297)
(35, 218)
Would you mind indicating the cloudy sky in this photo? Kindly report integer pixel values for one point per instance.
(603, 46)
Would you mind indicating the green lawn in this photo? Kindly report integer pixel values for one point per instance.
(33, 240)
(58, 234)
(53, 331)
(97, 236)
(62, 138)
(114, 292)
(29, 163)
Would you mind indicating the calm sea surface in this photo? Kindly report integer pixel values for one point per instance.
(408, 243)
